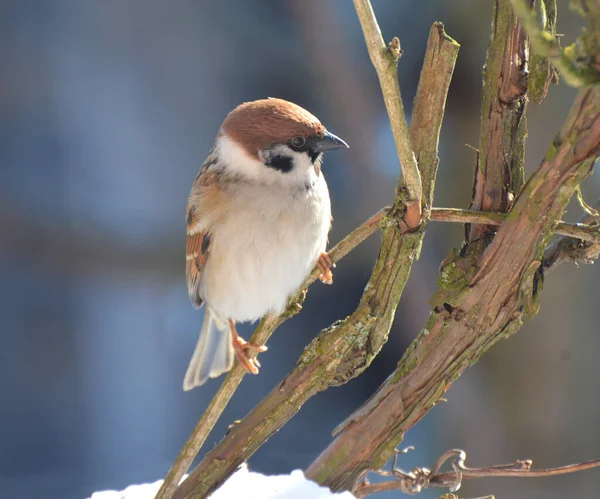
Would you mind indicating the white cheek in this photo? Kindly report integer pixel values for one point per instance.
(303, 171)
(239, 161)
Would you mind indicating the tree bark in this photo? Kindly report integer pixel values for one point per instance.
(480, 301)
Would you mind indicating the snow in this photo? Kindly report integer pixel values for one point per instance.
(243, 483)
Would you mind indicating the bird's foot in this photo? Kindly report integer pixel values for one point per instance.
(325, 263)
(244, 351)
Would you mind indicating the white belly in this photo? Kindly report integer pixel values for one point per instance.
(264, 250)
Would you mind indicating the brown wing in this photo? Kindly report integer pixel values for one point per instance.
(197, 250)
(207, 206)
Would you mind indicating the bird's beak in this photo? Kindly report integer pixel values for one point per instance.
(329, 142)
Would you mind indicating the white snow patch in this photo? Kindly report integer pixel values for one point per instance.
(243, 483)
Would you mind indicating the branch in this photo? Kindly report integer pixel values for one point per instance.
(385, 62)
(566, 249)
(499, 173)
(345, 349)
(584, 231)
(480, 300)
(421, 478)
(262, 333)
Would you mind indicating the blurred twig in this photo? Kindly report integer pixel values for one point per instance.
(541, 71)
(420, 478)
(546, 44)
(81, 252)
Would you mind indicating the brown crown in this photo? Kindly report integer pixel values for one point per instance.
(259, 124)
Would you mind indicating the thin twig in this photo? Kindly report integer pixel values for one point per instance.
(261, 335)
(385, 62)
(590, 233)
(566, 249)
(420, 478)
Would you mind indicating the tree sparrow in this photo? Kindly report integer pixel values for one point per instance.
(258, 217)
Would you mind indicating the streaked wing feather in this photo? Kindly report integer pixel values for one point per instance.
(206, 205)
(197, 251)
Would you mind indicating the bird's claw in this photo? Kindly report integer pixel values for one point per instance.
(324, 263)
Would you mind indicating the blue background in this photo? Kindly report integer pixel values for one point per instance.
(107, 110)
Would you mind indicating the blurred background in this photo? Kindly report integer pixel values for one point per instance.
(107, 110)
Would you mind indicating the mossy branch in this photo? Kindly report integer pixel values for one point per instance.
(499, 172)
(481, 299)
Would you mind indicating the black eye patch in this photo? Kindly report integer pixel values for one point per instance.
(280, 162)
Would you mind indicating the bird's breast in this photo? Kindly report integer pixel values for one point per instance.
(266, 246)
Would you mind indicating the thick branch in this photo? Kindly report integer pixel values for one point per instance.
(346, 348)
(499, 172)
(385, 62)
(480, 300)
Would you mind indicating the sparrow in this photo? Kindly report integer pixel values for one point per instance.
(258, 219)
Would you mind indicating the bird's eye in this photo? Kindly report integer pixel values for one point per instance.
(298, 142)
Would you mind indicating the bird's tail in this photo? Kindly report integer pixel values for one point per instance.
(213, 355)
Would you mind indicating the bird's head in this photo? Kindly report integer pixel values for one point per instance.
(275, 141)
